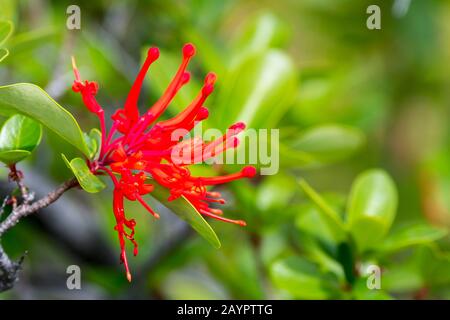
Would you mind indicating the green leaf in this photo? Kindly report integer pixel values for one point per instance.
(371, 208)
(13, 156)
(88, 181)
(258, 90)
(6, 29)
(20, 133)
(186, 211)
(3, 54)
(322, 145)
(412, 235)
(35, 103)
(311, 220)
(329, 215)
(19, 136)
(93, 142)
(302, 279)
(325, 260)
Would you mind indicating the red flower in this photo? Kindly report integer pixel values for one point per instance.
(137, 151)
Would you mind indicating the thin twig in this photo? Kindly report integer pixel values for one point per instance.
(2, 208)
(24, 209)
(9, 270)
(17, 176)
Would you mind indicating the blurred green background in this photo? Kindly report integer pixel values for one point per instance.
(345, 98)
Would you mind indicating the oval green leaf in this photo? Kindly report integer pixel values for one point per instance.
(186, 211)
(88, 181)
(93, 142)
(19, 136)
(20, 133)
(371, 208)
(32, 101)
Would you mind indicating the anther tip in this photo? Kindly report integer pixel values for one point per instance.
(202, 114)
(75, 69)
(241, 223)
(153, 53)
(249, 171)
(129, 277)
(74, 64)
(238, 126)
(188, 50)
(210, 78)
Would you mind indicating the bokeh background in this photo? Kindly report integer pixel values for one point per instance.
(297, 64)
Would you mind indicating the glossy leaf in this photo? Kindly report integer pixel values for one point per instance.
(412, 235)
(19, 136)
(311, 220)
(183, 208)
(371, 208)
(35, 103)
(88, 181)
(20, 133)
(332, 219)
(93, 142)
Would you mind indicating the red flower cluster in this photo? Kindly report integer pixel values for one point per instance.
(138, 150)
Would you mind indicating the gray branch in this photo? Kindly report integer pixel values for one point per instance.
(9, 270)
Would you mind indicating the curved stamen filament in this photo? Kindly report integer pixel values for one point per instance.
(247, 172)
(131, 107)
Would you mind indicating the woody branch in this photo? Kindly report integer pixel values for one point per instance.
(9, 270)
